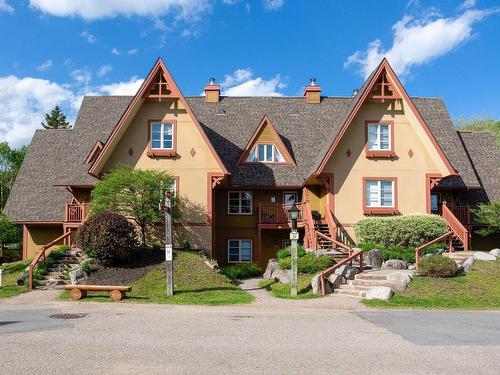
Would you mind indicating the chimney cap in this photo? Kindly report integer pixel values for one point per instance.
(312, 81)
(355, 92)
(211, 81)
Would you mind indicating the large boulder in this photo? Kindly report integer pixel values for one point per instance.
(77, 276)
(283, 276)
(480, 255)
(495, 252)
(374, 258)
(21, 279)
(394, 264)
(400, 280)
(335, 280)
(271, 267)
(468, 263)
(379, 292)
(316, 285)
(347, 272)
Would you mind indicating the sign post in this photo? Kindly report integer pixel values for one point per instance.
(169, 256)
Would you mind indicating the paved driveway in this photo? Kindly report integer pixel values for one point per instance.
(327, 336)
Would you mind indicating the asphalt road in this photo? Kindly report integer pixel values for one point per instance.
(333, 336)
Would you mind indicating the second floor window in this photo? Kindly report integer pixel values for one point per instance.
(240, 202)
(265, 153)
(162, 136)
(379, 137)
(379, 193)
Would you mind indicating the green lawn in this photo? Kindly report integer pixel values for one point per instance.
(194, 283)
(11, 271)
(283, 290)
(479, 288)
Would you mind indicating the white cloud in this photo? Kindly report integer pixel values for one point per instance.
(81, 76)
(271, 5)
(468, 4)
(23, 102)
(98, 9)
(46, 65)
(88, 37)
(129, 87)
(242, 83)
(130, 52)
(104, 70)
(4, 7)
(418, 41)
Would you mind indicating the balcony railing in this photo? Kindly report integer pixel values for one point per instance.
(462, 213)
(277, 213)
(75, 213)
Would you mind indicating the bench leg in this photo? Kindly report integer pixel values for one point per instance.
(77, 294)
(116, 295)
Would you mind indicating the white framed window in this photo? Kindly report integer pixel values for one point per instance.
(265, 153)
(379, 193)
(162, 136)
(239, 202)
(289, 197)
(379, 137)
(239, 251)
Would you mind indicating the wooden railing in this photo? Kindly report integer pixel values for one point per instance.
(41, 254)
(447, 236)
(277, 213)
(334, 241)
(309, 226)
(323, 275)
(75, 213)
(456, 226)
(462, 213)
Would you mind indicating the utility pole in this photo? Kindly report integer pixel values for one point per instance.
(169, 269)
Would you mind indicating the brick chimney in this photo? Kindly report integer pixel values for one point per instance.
(212, 91)
(312, 92)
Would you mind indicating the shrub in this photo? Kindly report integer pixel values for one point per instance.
(400, 252)
(286, 252)
(241, 271)
(438, 266)
(86, 266)
(107, 236)
(411, 230)
(308, 263)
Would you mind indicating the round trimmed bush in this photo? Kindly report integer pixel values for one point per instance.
(107, 237)
(438, 266)
(287, 251)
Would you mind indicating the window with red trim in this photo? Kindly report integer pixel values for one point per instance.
(380, 195)
(161, 140)
(379, 139)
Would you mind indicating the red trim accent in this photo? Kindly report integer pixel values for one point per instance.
(213, 179)
(384, 65)
(25, 242)
(177, 185)
(278, 141)
(97, 147)
(158, 67)
(381, 210)
(162, 152)
(380, 153)
(429, 177)
(212, 87)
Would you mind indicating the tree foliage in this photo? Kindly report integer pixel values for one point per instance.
(483, 123)
(134, 193)
(489, 214)
(55, 120)
(10, 163)
(9, 232)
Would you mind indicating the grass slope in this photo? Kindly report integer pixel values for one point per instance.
(283, 290)
(477, 289)
(194, 283)
(11, 271)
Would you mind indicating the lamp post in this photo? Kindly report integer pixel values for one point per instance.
(166, 207)
(294, 236)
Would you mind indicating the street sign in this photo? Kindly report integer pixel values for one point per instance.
(294, 235)
(168, 253)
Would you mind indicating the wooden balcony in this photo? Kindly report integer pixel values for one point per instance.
(275, 214)
(463, 214)
(75, 213)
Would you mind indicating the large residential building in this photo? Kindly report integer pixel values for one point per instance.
(239, 162)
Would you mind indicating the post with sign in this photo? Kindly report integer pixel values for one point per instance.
(294, 237)
(169, 256)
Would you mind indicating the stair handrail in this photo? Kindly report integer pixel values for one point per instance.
(455, 225)
(332, 227)
(325, 273)
(336, 242)
(309, 227)
(447, 236)
(41, 254)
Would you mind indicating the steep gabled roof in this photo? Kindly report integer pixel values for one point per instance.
(266, 123)
(158, 77)
(385, 71)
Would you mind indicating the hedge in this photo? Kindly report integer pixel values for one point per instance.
(308, 263)
(241, 271)
(411, 230)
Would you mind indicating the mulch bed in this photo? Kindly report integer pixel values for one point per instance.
(140, 263)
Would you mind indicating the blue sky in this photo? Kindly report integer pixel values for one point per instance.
(58, 51)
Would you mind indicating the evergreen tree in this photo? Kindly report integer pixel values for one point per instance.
(56, 119)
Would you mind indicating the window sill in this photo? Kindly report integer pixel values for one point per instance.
(380, 154)
(165, 153)
(380, 211)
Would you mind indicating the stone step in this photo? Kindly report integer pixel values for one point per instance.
(54, 274)
(368, 276)
(355, 287)
(373, 283)
(350, 292)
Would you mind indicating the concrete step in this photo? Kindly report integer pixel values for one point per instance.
(355, 287)
(373, 283)
(369, 276)
(350, 292)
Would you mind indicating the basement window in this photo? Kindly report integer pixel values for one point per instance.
(239, 251)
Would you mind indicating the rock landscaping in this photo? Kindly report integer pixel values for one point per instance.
(479, 255)
(394, 264)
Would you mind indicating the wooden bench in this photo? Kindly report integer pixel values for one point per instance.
(80, 291)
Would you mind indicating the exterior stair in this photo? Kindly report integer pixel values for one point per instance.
(54, 278)
(459, 256)
(323, 243)
(362, 282)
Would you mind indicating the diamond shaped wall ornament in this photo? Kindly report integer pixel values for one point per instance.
(348, 152)
(410, 153)
(131, 151)
(192, 152)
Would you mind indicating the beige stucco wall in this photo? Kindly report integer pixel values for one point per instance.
(190, 170)
(410, 171)
(40, 235)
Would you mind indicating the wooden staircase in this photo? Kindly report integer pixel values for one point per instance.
(323, 243)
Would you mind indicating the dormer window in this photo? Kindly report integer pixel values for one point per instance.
(265, 153)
